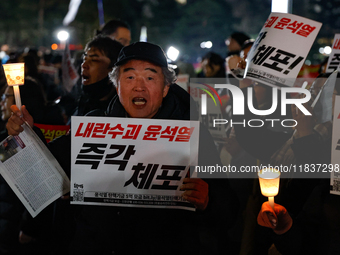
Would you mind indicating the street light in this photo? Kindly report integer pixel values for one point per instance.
(283, 6)
(172, 53)
(63, 36)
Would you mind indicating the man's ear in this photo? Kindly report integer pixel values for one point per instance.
(166, 90)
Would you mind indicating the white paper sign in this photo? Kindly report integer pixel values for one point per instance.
(335, 175)
(322, 105)
(334, 57)
(132, 162)
(280, 49)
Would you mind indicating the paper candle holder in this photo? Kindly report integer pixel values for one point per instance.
(15, 76)
(269, 179)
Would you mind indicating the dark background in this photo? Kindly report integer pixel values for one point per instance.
(34, 23)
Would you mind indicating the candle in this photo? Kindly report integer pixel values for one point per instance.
(269, 179)
(15, 76)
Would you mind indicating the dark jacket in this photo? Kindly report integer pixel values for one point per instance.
(91, 97)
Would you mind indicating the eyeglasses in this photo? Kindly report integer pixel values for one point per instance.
(4, 96)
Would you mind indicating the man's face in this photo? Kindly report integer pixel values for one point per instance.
(141, 88)
(122, 35)
(95, 66)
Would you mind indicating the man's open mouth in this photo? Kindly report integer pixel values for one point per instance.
(139, 101)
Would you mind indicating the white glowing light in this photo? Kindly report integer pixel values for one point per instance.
(208, 44)
(280, 6)
(172, 53)
(327, 50)
(321, 50)
(63, 35)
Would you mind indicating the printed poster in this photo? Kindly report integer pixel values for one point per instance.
(280, 49)
(335, 175)
(132, 162)
(334, 57)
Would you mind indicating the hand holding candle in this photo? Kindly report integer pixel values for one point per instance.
(15, 75)
(269, 183)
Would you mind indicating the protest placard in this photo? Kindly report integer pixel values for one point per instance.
(131, 162)
(334, 58)
(335, 175)
(280, 49)
(51, 132)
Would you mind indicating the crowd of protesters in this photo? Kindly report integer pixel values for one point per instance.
(232, 218)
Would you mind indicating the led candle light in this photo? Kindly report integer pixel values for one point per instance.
(269, 182)
(15, 76)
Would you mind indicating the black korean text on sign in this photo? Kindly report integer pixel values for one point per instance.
(335, 62)
(91, 154)
(144, 173)
(276, 59)
(143, 176)
(338, 145)
(166, 178)
(120, 149)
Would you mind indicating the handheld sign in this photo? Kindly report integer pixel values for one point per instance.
(280, 49)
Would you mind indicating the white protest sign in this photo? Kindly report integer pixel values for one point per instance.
(335, 174)
(334, 57)
(132, 162)
(280, 49)
(322, 105)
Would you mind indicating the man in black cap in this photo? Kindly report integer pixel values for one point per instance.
(146, 89)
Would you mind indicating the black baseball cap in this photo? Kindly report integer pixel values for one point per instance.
(142, 51)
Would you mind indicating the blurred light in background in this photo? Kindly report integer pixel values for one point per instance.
(280, 6)
(54, 46)
(172, 53)
(143, 34)
(207, 45)
(63, 35)
(327, 50)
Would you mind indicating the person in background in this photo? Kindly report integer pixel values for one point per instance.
(117, 30)
(235, 42)
(98, 60)
(213, 66)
